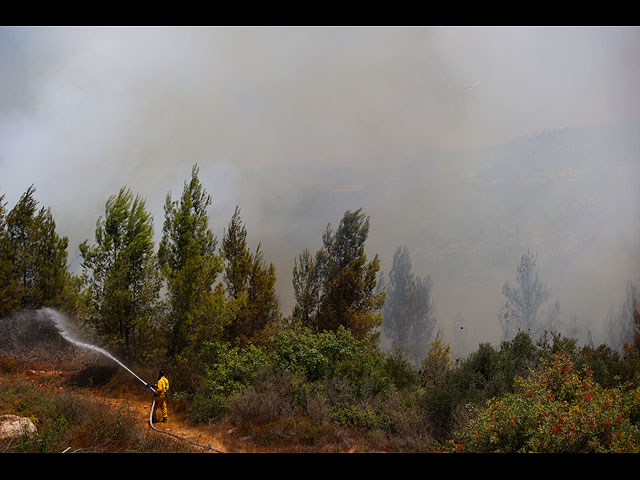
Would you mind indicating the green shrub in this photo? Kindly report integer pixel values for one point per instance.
(556, 409)
(401, 373)
(229, 371)
(439, 404)
(608, 368)
(334, 355)
(314, 355)
(484, 374)
(316, 382)
(360, 415)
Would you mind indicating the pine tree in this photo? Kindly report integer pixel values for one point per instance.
(437, 361)
(522, 309)
(347, 282)
(9, 286)
(51, 255)
(250, 285)
(263, 312)
(408, 311)
(306, 289)
(36, 253)
(21, 227)
(572, 328)
(189, 263)
(121, 274)
(237, 256)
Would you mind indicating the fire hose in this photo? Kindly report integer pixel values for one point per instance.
(153, 406)
(59, 321)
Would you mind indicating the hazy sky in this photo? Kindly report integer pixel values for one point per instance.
(259, 96)
(84, 111)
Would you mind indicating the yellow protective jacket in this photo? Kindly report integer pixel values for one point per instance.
(162, 386)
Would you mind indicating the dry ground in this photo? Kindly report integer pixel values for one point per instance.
(217, 437)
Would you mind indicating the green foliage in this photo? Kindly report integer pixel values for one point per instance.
(316, 356)
(21, 228)
(361, 416)
(608, 368)
(345, 281)
(403, 375)
(556, 409)
(263, 312)
(51, 255)
(228, 370)
(486, 373)
(237, 256)
(516, 358)
(331, 367)
(33, 257)
(436, 362)
(331, 354)
(306, 289)
(230, 353)
(250, 283)
(234, 367)
(121, 275)
(9, 298)
(346, 370)
(440, 403)
(188, 261)
(316, 383)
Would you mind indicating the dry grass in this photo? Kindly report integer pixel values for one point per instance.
(72, 420)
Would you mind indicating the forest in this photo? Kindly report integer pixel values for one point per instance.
(205, 310)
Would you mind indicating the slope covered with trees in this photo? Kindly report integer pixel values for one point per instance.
(207, 312)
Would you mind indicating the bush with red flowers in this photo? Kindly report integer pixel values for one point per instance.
(555, 409)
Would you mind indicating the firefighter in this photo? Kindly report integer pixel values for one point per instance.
(161, 387)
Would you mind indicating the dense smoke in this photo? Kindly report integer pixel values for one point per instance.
(471, 146)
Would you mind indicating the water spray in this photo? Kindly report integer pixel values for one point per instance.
(59, 320)
(61, 325)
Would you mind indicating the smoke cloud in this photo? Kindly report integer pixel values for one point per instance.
(437, 133)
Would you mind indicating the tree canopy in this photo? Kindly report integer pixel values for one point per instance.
(121, 274)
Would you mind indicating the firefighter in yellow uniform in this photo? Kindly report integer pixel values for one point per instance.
(161, 388)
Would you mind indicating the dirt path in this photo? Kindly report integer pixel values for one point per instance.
(216, 438)
(211, 437)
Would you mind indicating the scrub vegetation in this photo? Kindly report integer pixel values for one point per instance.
(70, 421)
(317, 379)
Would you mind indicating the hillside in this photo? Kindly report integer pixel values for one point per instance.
(468, 216)
(83, 402)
